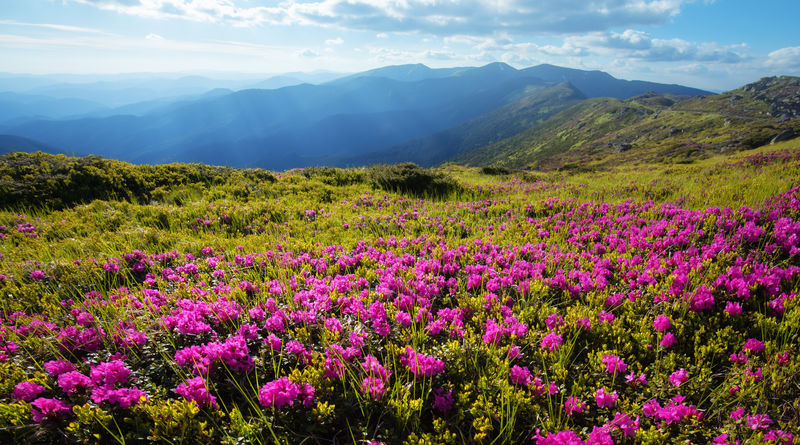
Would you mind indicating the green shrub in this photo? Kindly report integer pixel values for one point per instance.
(409, 178)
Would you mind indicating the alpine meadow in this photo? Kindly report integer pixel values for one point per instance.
(403, 222)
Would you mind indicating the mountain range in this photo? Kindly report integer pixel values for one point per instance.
(494, 114)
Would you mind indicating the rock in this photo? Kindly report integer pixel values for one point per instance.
(622, 147)
(784, 135)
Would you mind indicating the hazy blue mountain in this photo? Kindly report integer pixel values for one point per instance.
(379, 115)
(156, 105)
(15, 106)
(602, 84)
(10, 143)
(537, 105)
(291, 79)
(119, 93)
(405, 73)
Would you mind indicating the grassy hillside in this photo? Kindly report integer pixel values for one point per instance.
(537, 103)
(647, 303)
(651, 128)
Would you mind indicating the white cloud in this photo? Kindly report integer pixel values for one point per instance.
(438, 17)
(154, 37)
(57, 27)
(336, 41)
(641, 46)
(785, 58)
(308, 53)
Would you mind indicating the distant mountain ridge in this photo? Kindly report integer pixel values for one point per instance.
(652, 127)
(390, 114)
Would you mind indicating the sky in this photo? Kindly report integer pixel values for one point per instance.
(712, 44)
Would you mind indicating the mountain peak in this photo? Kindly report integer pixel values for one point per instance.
(500, 66)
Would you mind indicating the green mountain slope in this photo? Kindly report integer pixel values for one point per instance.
(652, 127)
(532, 106)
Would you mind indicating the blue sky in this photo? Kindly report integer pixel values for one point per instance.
(709, 44)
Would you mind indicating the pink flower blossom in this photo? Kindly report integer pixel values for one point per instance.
(278, 393)
(753, 345)
(733, 308)
(668, 341)
(737, 413)
(333, 324)
(551, 341)
(662, 323)
(758, 421)
(421, 364)
(109, 373)
(574, 405)
(604, 399)
(27, 391)
(49, 409)
(373, 387)
(442, 401)
(567, 437)
(520, 375)
(58, 367)
(195, 389)
(614, 364)
(123, 397)
(679, 377)
(70, 381)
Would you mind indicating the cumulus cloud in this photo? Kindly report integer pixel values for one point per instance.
(308, 53)
(641, 46)
(336, 41)
(445, 17)
(785, 58)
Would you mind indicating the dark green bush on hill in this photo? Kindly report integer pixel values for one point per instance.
(57, 181)
(495, 170)
(334, 176)
(409, 178)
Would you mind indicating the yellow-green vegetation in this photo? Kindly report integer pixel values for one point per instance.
(630, 303)
(651, 128)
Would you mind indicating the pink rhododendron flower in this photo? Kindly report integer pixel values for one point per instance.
(574, 405)
(37, 275)
(605, 317)
(442, 401)
(753, 345)
(520, 375)
(758, 421)
(679, 377)
(737, 413)
(421, 364)
(633, 380)
(614, 364)
(668, 341)
(27, 391)
(662, 323)
(195, 389)
(123, 397)
(554, 321)
(733, 308)
(722, 439)
(551, 341)
(513, 352)
(49, 409)
(567, 437)
(278, 393)
(604, 399)
(373, 387)
(58, 367)
(109, 373)
(70, 381)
